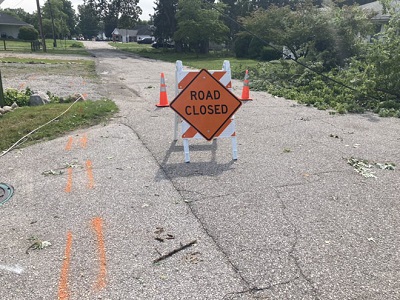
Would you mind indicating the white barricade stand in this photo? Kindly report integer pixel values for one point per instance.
(182, 79)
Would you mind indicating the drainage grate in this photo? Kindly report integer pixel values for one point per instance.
(6, 192)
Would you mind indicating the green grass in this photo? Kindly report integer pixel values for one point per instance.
(211, 61)
(66, 47)
(16, 124)
(63, 47)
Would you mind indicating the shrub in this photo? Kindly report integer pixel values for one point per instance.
(268, 53)
(19, 97)
(77, 45)
(241, 45)
(28, 33)
(255, 48)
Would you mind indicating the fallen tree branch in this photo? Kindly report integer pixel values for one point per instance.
(182, 247)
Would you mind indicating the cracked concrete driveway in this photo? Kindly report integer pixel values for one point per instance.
(290, 219)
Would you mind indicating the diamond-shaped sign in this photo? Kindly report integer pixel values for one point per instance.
(206, 104)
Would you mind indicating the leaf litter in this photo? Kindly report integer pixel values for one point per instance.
(37, 244)
(365, 168)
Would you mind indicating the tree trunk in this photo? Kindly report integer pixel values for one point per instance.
(204, 47)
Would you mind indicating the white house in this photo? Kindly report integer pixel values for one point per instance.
(144, 31)
(124, 35)
(133, 35)
(381, 15)
(9, 26)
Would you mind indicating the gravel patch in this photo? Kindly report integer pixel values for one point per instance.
(59, 79)
(58, 85)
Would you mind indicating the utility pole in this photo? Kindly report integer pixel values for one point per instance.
(52, 25)
(41, 26)
(2, 101)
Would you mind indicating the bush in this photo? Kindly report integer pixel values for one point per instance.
(241, 46)
(255, 48)
(77, 45)
(28, 33)
(19, 97)
(268, 53)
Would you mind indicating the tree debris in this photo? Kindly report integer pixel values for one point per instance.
(193, 257)
(169, 254)
(162, 237)
(52, 172)
(37, 245)
(159, 230)
(364, 167)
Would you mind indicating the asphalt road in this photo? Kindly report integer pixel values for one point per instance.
(290, 219)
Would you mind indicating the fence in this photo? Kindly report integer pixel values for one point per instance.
(16, 45)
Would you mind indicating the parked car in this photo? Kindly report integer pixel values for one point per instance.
(146, 40)
(159, 44)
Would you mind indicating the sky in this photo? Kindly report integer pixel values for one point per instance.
(30, 6)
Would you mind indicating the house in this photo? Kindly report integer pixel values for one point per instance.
(9, 26)
(144, 31)
(132, 35)
(123, 35)
(381, 16)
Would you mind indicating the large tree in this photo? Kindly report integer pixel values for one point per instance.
(283, 27)
(21, 14)
(63, 15)
(198, 25)
(328, 35)
(116, 13)
(377, 70)
(164, 19)
(88, 21)
(234, 10)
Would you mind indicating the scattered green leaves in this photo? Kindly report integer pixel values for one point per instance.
(52, 172)
(364, 167)
(37, 244)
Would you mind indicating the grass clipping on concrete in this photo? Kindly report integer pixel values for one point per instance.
(21, 121)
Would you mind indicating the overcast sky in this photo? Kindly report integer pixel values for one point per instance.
(30, 6)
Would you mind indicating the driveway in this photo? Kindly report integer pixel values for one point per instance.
(290, 219)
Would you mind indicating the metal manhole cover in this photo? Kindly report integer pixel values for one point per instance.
(6, 192)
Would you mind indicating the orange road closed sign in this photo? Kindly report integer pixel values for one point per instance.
(206, 104)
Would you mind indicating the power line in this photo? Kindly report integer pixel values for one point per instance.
(17, 4)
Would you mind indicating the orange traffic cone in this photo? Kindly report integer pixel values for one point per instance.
(163, 93)
(246, 89)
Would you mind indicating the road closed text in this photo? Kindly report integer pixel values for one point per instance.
(206, 109)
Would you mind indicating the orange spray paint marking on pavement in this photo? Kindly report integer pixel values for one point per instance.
(69, 144)
(85, 96)
(63, 291)
(68, 187)
(97, 224)
(84, 141)
(89, 174)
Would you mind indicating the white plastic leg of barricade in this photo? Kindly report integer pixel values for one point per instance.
(176, 127)
(234, 148)
(186, 150)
